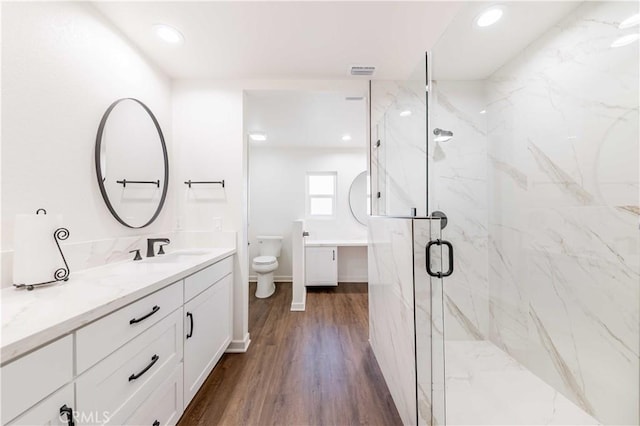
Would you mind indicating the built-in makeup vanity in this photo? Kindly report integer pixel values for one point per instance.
(321, 260)
(127, 343)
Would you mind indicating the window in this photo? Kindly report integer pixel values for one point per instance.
(321, 194)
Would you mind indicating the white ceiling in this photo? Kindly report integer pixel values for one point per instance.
(284, 40)
(306, 119)
(468, 52)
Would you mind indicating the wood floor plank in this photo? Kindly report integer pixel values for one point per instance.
(302, 368)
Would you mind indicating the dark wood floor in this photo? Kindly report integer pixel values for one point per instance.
(302, 368)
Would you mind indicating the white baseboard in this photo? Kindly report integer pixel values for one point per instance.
(298, 307)
(353, 279)
(239, 346)
(277, 278)
(289, 279)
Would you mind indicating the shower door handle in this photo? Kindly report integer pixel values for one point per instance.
(450, 270)
(428, 258)
(427, 248)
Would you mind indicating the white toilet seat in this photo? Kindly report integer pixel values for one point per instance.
(264, 260)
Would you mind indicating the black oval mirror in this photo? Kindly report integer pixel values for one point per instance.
(132, 164)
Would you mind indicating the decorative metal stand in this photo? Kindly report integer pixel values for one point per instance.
(61, 274)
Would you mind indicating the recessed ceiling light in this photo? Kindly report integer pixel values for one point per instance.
(258, 136)
(489, 16)
(405, 113)
(168, 34)
(630, 21)
(624, 40)
(346, 137)
(484, 111)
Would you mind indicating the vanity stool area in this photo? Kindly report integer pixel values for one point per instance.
(127, 343)
(322, 257)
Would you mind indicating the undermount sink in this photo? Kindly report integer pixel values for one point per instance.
(177, 256)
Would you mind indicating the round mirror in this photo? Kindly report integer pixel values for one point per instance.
(131, 163)
(360, 198)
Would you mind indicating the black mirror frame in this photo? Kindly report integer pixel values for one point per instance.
(103, 191)
(366, 174)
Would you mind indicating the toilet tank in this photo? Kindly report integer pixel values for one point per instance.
(269, 245)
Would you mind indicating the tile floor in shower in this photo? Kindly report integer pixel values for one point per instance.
(486, 386)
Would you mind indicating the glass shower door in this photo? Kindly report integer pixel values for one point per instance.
(433, 262)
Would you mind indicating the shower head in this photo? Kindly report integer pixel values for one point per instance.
(442, 135)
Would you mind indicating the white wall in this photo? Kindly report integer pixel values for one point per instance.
(63, 64)
(210, 146)
(277, 198)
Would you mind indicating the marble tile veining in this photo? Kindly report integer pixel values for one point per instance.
(564, 258)
(485, 386)
(542, 193)
(391, 309)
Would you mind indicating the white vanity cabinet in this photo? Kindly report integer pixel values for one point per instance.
(321, 266)
(140, 362)
(30, 379)
(207, 323)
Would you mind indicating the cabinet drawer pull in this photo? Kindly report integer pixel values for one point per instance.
(155, 309)
(64, 410)
(190, 315)
(156, 423)
(154, 359)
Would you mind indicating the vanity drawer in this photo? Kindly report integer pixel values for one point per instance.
(133, 371)
(201, 280)
(29, 379)
(98, 339)
(47, 412)
(164, 406)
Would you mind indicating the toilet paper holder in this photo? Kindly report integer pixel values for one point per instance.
(60, 274)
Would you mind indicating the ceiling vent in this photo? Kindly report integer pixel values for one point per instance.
(361, 70)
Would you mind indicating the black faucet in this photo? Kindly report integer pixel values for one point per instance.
(151, 242)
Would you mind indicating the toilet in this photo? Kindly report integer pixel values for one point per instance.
(267, 262)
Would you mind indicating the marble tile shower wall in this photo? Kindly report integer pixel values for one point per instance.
(458, 170)
(398, 172)
(564, 245)
(391, 309)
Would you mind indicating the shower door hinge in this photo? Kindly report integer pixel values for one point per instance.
(378, 143)
(379, 195)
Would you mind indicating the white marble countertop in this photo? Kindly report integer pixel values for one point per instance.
(337, 243)
(32, 318)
